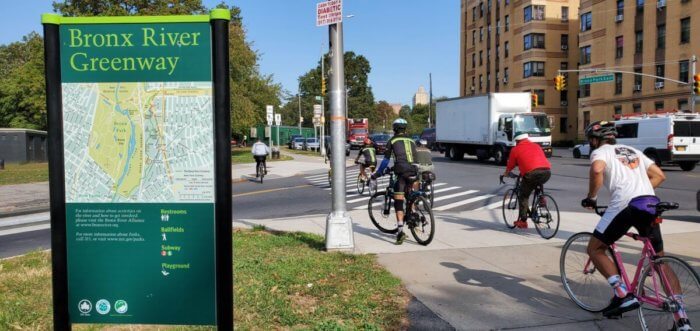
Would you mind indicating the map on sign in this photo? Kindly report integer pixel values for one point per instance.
(138, 142)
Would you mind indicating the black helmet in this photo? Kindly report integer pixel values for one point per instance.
(601, 129)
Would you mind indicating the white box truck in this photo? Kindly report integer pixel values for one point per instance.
(484, 125)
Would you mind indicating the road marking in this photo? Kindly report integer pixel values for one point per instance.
(461, 203)
(25, 229)
(445, 197)
(271, 190)
(446, 189)
(358, 200)
(491, 206)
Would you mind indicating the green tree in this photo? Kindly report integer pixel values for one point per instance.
(128, 7)
(385, 114)
(22, 86)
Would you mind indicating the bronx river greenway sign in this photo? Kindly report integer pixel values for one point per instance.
(139, 200)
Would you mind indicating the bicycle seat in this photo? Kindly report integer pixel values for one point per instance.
(664, 206)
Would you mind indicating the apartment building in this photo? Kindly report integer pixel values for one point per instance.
(651, 37)
(518, 46)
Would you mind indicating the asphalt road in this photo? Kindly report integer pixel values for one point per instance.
(460, 186)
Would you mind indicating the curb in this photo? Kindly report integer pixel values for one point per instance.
(25, 211)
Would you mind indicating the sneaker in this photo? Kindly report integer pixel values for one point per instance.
(682, 324)
(400, 238)
(520, 224)
(618, 306)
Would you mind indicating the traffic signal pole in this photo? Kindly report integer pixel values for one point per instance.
(694, 92)
(339, 233)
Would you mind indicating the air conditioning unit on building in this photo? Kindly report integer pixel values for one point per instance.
(564, 103)
(637, 88)
(619, 18)
(659, 85)
(661, 4)
(564, 47)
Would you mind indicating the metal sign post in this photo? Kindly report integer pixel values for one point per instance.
(339, 233)
(269, 110)
(278, 122)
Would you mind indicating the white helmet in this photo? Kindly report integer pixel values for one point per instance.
(521, 136)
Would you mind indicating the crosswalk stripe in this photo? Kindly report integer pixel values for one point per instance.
(450, 196)
(364, 198)
(446, 189)
(439, 184)
(464, 202)
(491, 206)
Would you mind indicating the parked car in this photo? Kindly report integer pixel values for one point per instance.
(290, 143)
(428, 135)
(298, 143)
(380, 141)
(582, 150)
(328, 145)
(312, 144)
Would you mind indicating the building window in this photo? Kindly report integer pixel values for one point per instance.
(481, 33)
(683, 71)
(507, 2)
(683, 105)
(618, 83)
(638, 42)
(661, 36)
(585, 91)
(533, 69)
(586, 119)
(585, 55)
(481, 58)
(563, 98)
(488, 5)
(506, 49)
(637, 108)
(473, 60)
(488, 81)
(659, 105)
(564, 42)
(474, 14)
(685, 30)
(498, 27)
(481, 9)
(540, 97)
(498, 51)
(507, 23)
(473, 83)
(473, 37)
(619, 43)
(640, 5)
(660, 69)
(563, 125)
(564, 14)
(618, 110)
(586, 21)
(505, 76)
(533, 13)
(637, 80)
(620, 7)
(533, 40)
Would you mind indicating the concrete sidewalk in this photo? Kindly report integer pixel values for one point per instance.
(478, 275)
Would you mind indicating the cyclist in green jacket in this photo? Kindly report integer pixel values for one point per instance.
(370, 157)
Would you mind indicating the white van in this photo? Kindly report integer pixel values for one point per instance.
(665, 138)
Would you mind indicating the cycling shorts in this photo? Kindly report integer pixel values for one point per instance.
(403, 182)
(627, 218)
(259, 158)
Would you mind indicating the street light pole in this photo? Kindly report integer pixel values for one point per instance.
(299, 98)
(693, 60)
(339, 233)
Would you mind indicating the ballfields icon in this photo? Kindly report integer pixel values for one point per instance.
(103, 306)
(121, 307)
(85, 306)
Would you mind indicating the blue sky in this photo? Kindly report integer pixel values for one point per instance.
(404, 40)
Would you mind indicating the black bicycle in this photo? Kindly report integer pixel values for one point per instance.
(418, 216)
(260, 171)
(426, 185)
(544, 211)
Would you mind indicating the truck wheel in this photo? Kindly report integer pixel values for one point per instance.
(456, 153)
(687, 165)
(499, 155)
(482, 155)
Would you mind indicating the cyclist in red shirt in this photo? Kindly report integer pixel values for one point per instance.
(534, 171)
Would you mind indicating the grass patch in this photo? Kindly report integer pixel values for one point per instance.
(24, 173)
(243, 155)
(282, 281)
(302, 152)
(286, 281)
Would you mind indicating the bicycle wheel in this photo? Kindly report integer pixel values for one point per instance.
(547, 223)
(371, 187)
(584, 284)
(510, 208)
(261, 172)
(360, 184)
(376, 206)
(427, 188)
(422, 223)
(655, 286)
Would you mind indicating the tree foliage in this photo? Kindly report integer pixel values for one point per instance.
(22, 91)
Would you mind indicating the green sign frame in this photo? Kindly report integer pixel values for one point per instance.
(140, 177)
(596, 79)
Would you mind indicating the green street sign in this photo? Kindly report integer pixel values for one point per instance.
(138, 181)
(596, 79)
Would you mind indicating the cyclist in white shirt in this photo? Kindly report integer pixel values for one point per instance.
(260, 151)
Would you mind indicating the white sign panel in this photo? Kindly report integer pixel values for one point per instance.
(278, 119)
(329, 12)
(269, 110)
(317, 110)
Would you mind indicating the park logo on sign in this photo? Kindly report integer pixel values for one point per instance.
(103, 307)
(85, 306)
(121, 307)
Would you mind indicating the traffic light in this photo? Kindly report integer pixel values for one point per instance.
(323, 86)
(696, 84)
(534, 100)
(560, 83)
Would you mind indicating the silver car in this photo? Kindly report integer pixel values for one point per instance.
(312, 144)
(298, 143)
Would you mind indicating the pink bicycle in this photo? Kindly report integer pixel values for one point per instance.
(662, 284)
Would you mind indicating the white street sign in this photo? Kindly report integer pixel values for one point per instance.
(269, 117)
(329, 12)
(301, 119)
(317, 111)
(269, 122)
(269, 110)
(278, 119)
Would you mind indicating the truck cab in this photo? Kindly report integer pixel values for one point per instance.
(358, 130)
(534, 124)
